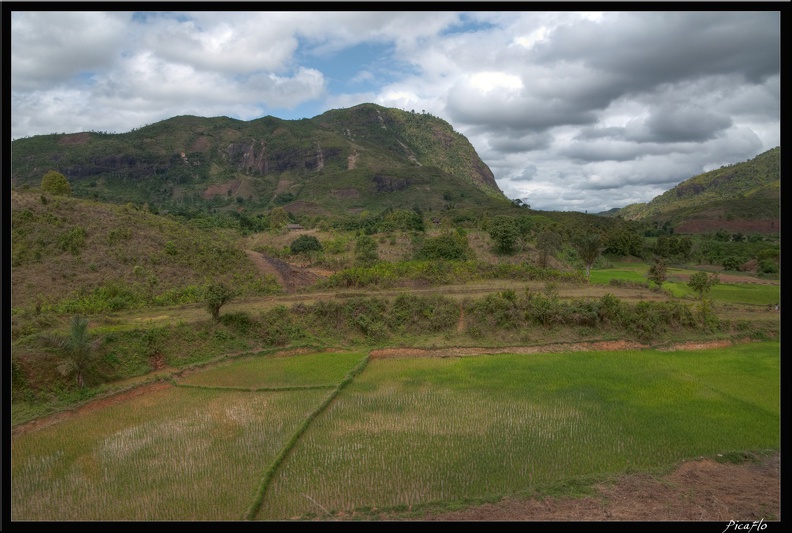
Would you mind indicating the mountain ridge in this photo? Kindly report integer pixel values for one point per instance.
(746, 191)
(356, 158)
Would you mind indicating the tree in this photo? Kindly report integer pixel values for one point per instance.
(588, 246)
(701, 282)
(366, 250)
(504, 231)
(449, 246)
(548, 243)
(79, 350)
(216, 295)
(658, 272)
(278, 218)
(55, 183)
(305, 244)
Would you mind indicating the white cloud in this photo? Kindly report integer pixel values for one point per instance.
(571, 110)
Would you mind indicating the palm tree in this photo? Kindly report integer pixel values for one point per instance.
(78, 349)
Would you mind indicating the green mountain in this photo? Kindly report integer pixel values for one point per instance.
(366, 157)
(746, 194)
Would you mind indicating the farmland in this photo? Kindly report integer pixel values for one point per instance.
(264, 437)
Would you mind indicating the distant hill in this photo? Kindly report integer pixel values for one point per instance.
(366, 157)
(741, 197)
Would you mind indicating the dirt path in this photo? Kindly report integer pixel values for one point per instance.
(290, 277)
(696, 491)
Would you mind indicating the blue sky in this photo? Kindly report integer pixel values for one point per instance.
(572, 111)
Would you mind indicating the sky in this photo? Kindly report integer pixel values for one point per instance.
(572, 111)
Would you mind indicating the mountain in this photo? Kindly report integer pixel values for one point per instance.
(741, 197)
(343, 161)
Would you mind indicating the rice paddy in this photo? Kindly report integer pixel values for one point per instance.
(294, 437)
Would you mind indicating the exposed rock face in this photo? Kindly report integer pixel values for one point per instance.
(179, 160)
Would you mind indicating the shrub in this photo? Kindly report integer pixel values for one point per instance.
(449, 246)
(366, 251)
(55, 183)
(72, 241)
(768, 267)
(504, 232)
(305, 244)
(731, 263)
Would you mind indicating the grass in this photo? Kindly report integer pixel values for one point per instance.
(309, 370)
(180, 454)
(412, 431)
(404, 432)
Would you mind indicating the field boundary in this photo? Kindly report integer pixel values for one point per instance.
(269, 474)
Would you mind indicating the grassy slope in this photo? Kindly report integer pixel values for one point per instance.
(747, 190)
(70, 247)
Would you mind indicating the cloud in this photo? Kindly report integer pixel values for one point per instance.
(571, 110)
(54, 48)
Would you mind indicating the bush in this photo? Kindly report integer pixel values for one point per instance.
(768, 267)
(366, 253)
(449, 246)
(305, 244)
(55, 183)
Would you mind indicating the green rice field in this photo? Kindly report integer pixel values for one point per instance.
(278, 438)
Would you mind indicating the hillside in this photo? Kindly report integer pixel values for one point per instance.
(344, 161)
(77, 253)
(733, 197)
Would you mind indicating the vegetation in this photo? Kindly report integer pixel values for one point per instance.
(305, 244)
(588, 247)
(658, 272)
(216, 295)
(701, 282)
(315, 435)
(77, 349)
(55, 183)
(321, 241)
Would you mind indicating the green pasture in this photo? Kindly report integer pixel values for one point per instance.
(404, 432)
(310, 370)
(734, 293)
(412, 431)
(183, 453)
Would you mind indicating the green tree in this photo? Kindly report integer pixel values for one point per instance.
(658, 272)
(504, 232)
(278, 218)
(78, 348)
(366, 253)
(548, 243)
(55, 183)
(588, 247)
(216, 295)
(451, 246)
(305, 244)
(701, 282)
